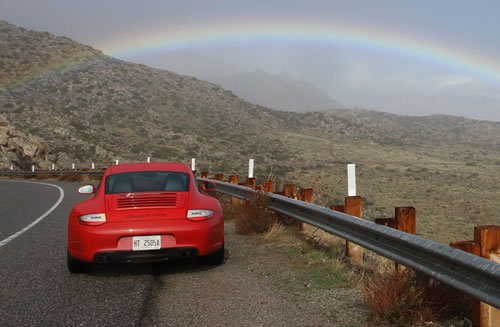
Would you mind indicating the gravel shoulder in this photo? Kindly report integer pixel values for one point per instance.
(256, 286)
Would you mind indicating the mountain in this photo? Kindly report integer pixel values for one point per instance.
(281, 92)
(478, 107)
(91, 107)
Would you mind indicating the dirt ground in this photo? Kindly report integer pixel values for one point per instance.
(256, 286)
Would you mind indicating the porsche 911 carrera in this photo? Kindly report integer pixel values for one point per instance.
(144, 212)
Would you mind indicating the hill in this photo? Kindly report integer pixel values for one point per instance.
(91, 107)
(281, 92)
(84, 106)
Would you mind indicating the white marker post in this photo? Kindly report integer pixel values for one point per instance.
(53, 166)
(11, 167)
(73, 166)
(93, 166)
(351, 180)
(250, 168)
(148, 160)
(193, 164)
(32, 168)
(117, 162)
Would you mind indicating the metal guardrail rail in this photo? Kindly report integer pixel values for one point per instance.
(466, 272)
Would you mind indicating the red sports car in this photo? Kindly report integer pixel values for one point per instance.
(145, 212)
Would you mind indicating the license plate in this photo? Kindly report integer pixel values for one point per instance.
(150, 242)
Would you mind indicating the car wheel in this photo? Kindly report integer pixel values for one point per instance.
(76, 266)
(214, 258)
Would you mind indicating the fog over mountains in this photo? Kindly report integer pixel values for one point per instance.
(445, 94)
(281, 92)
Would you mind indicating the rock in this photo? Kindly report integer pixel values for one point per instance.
(22, 150)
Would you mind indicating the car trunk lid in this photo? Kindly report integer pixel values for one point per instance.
(146, 206)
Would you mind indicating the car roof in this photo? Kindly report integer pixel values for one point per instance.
(143, 166)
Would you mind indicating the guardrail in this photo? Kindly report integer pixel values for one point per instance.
(22, 173)
(471, 274)
(466, 272)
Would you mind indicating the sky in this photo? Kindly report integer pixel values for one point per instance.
(406, 57)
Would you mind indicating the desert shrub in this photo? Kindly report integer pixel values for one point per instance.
(404, 298)
(43, 176)
(251, 216)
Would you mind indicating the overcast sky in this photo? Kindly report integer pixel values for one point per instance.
(408, 57)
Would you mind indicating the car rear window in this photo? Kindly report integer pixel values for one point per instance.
(147, 181)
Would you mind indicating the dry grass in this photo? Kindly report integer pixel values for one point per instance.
(404, 298)
(450, 194)
(278, 233)
(251, 217)
(397, 298)
(43, 176)
(77, 178)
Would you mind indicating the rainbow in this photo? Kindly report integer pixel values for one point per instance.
(211, 34)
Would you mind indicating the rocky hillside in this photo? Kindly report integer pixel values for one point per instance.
(96, 108)
(385, 128)
(91, 107)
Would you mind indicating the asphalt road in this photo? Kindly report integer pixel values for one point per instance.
(36, 288)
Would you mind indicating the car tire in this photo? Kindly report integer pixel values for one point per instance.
(215, 258)
(76, 266)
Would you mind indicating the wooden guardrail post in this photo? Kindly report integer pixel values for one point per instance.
(290, 191)
(204, 174)
(251, 182)
(467, 246)
(488, 238)
(306, 195)
(405, 221)
(338, 207)
(268, 186)
(233, 179)
(354, 207)
(219, 177)
(486, 244)
(389, 222)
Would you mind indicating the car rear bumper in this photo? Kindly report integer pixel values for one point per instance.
(112, 242)
(145, 256)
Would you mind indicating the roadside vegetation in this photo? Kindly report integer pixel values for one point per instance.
(391, 297)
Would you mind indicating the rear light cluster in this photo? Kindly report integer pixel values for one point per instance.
(92, 219)
(199, 214)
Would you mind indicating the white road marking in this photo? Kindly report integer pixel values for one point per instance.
(39, 219)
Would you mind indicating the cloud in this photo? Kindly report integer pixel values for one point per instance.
(453, 80)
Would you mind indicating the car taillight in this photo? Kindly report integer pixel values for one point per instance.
(93, 219)
(199, 214)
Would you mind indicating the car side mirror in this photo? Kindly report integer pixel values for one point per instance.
(208, 186)
(87, 189)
